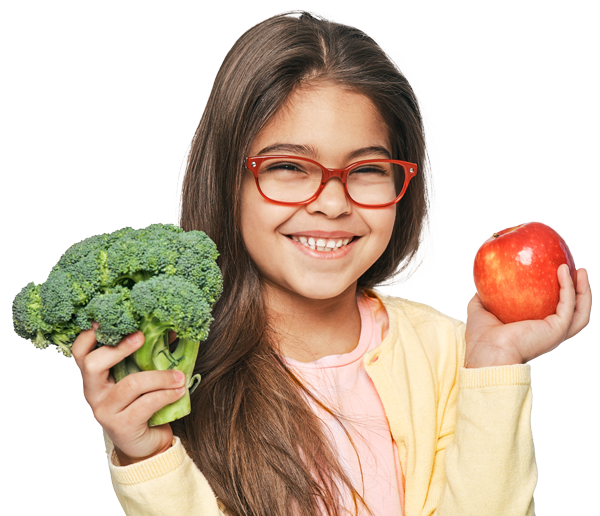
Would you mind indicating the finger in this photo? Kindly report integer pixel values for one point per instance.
(84, 344)
(95, 366)
(144, 407)
(476, 309)
(583, 304)
(130, 388)
(561, 320)
(566, 301)
(475, 305)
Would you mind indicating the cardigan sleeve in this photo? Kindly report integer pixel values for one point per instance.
(485, 449)
(168, 484)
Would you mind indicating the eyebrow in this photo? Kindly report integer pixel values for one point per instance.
(307, 150)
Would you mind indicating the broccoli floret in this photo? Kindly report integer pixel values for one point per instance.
(85, 262)
(27, 314)
(57, 298)
(198, 264)
(91, 245)
(29, 322)
(114, 312)
(139, 255)
(155, 279)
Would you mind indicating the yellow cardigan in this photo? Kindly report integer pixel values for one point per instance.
(463, 435)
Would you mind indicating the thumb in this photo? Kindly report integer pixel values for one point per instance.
(475, 306)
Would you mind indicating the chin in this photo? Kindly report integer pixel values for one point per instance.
(322, 290)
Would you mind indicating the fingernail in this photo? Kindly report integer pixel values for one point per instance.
(134, 338)
(181, 390)
(95, 325)
(179, 376)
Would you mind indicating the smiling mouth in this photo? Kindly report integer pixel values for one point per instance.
(326, 249)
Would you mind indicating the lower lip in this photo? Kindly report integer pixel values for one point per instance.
(340, 252)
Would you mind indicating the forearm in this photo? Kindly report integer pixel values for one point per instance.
(490, 464)
(168, 484)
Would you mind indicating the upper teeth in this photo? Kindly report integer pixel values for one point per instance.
(321, 244)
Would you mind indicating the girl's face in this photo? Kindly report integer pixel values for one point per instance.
(335, 127)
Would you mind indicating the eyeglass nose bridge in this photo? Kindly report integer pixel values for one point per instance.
(329, 173)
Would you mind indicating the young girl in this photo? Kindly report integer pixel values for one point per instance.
(319, 395)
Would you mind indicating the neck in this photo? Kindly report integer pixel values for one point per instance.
(309, 329)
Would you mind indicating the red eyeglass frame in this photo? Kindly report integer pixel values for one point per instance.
(253, 164)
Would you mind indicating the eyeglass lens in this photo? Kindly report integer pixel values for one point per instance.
(289, 180)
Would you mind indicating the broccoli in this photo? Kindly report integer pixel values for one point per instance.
(156, 280)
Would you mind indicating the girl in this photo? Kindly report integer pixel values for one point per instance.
(318, 395)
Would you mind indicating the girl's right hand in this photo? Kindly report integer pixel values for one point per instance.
(124, 408)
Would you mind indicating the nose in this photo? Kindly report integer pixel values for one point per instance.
(336, 180)
(333, 192)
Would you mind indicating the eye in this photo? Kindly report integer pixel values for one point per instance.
(368, 169)
(283, 166)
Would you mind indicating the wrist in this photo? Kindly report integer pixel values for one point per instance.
(484, 355)
(476, 364)
(126, 460)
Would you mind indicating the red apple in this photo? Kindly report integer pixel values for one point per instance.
(515, 272)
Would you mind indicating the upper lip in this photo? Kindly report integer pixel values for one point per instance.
(323, 234)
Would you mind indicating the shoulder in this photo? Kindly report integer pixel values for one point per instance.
(415, 313)
(419, 329)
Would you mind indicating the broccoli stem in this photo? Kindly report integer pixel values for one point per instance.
(155, 355)
(185, 356)
(63, 342)
(123, 368)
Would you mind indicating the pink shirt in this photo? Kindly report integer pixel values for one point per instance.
(341, 383)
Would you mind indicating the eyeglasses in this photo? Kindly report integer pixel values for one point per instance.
(292, 180)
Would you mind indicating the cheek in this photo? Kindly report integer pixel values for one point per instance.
(255, 238)
(382, 225)
(250, 217)
(253, 208)
(259, 222)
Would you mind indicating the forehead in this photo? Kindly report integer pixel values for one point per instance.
(335, 99)
(326, 117)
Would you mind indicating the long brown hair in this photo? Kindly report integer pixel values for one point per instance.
(252, 432)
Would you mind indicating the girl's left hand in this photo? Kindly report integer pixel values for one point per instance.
(492, 343)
